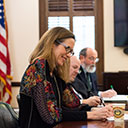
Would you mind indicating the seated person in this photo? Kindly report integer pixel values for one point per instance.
(86, 80)
(74, 68)
(71, 97)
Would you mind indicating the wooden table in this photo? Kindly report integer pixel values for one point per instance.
(92, 124)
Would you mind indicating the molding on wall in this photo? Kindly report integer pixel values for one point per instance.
(15, 84)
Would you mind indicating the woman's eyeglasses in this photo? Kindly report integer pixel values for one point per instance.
(67, 48)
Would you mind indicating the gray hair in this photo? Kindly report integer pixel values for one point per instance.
(83, 52)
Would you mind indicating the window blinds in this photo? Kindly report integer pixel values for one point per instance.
(58, 5)
(64, 5)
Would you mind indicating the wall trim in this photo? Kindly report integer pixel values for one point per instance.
(15, 84)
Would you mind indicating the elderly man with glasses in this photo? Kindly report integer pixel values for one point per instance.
(86, 80)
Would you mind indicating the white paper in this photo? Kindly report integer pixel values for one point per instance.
(117, 98)
(112, 118)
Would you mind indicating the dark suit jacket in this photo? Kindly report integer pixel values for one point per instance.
(81, 85)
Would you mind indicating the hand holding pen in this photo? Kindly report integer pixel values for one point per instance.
(92, 101)
(109, 93)
(114, 93)
(102, 101)
(96, 100)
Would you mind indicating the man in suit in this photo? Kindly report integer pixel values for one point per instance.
(74, 69)
(86, 80)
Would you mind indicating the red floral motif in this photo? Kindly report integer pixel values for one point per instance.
(70, 99)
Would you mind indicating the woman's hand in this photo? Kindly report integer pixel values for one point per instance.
(101, 113)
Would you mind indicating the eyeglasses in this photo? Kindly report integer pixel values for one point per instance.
(93, 59)
(67, 48)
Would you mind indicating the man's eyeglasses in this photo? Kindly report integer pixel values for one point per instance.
(67, 48)
(93, 59)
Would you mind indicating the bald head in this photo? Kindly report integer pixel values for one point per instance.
(74, 59)
(91, 52)
(74, 67)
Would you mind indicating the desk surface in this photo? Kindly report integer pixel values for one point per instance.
(92, 124)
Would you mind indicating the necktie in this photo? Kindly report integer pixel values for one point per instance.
(88, 82)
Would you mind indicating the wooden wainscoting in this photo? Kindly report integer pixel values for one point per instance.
(119, 80)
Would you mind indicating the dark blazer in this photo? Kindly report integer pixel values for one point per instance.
(81, 84)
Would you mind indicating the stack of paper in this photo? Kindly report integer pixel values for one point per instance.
(117, 98)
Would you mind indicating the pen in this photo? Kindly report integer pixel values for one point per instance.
(102, 101)
(111, 87)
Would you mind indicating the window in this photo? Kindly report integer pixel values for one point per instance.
(62, 21)
(84, 31)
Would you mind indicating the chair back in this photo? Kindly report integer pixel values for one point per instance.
(8, 117)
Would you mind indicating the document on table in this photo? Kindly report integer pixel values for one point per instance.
(112, 118)
(117, 98)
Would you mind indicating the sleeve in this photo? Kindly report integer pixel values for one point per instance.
(46, 105)
(42, 93)
(72, 110)
(74, 115)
